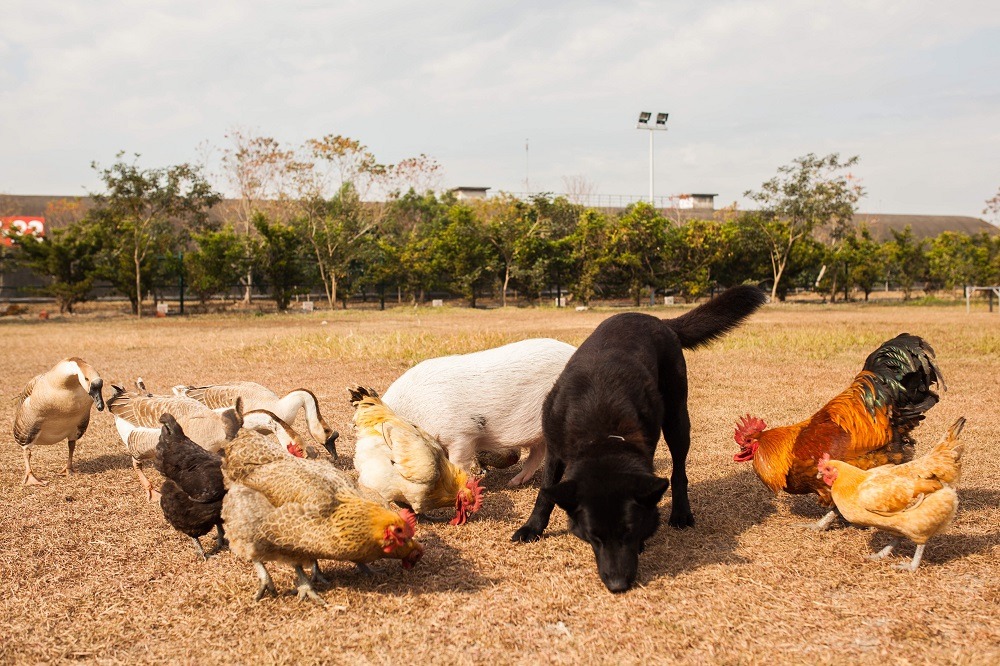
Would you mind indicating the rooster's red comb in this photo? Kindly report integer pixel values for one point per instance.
(465, 507)
(747, 427)
(410, 519)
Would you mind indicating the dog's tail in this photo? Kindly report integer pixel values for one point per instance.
(717, 317)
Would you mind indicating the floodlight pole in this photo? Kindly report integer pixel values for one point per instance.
(651, 168)
(660, 124)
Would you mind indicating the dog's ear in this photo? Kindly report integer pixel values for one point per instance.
(563, 494)
(649, 489)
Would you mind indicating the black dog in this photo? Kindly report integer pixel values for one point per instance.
(602, 421)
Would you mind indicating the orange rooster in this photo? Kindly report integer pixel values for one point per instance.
(916, 500)
(867, 425)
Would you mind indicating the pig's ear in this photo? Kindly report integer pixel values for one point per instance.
(563, 494)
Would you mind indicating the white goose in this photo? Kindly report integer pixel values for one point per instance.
(55, 406)
(257, 397)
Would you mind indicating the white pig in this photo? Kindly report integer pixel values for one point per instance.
(484, 401)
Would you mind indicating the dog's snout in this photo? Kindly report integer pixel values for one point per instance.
(617, 565)
(616, 584)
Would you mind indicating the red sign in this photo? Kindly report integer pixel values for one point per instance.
(24, 224)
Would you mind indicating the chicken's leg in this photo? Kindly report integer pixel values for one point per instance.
(317, 577)
(29, 478)
(201, 551)
(221, 543)
(266, 584)
(915, 562)
(823, 523)
(69, 460)
(884, 553)
(305, 587)
(151, 495)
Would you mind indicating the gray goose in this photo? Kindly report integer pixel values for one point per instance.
(137, 418)
(55, 406)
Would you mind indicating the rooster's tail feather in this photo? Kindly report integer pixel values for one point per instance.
(902, 376)
(359, 393)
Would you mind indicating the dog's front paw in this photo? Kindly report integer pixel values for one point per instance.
(681, 519)
(526, 534)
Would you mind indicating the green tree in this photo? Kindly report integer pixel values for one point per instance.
(220, 259)
(511, 227)
(66, 257)
(636, 248)
(744, 256)
(810, 193)
(463, 250)
(866, 260)
(415, 221)
(140, 215)
(907, 260)
(284, 267)
(548, 256)
(588, 248)
(954, 260)
(693, 251)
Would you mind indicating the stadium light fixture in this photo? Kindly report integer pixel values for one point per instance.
(660, 124)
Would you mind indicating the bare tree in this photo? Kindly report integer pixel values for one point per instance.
(256, 168)
(993, 207)
(579, 189)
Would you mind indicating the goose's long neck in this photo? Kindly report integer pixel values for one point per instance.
(296, 400)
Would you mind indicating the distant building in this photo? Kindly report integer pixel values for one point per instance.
(467, 193)
(696, 201)
(923, 226)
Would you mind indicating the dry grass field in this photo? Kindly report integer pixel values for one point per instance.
(89, 571)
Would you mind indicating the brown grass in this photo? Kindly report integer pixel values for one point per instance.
(89, 571)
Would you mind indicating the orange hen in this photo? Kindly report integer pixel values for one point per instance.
(915, 500)
(867, 425)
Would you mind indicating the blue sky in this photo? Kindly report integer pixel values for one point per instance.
(911, 87)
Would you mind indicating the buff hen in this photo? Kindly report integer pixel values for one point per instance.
(298, 511)
(915, 500)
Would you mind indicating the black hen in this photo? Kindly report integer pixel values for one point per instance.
(191, 496)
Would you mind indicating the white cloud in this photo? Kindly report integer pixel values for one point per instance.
(910, 86)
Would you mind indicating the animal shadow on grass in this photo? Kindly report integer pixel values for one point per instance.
(441, 569)
(102, 463)
(952, 544)
(723, 509)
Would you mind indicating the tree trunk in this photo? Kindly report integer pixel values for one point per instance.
(506, 280)
(138, 284)
(778, 268)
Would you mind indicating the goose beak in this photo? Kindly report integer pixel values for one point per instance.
(331, 444)
(95, 393)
